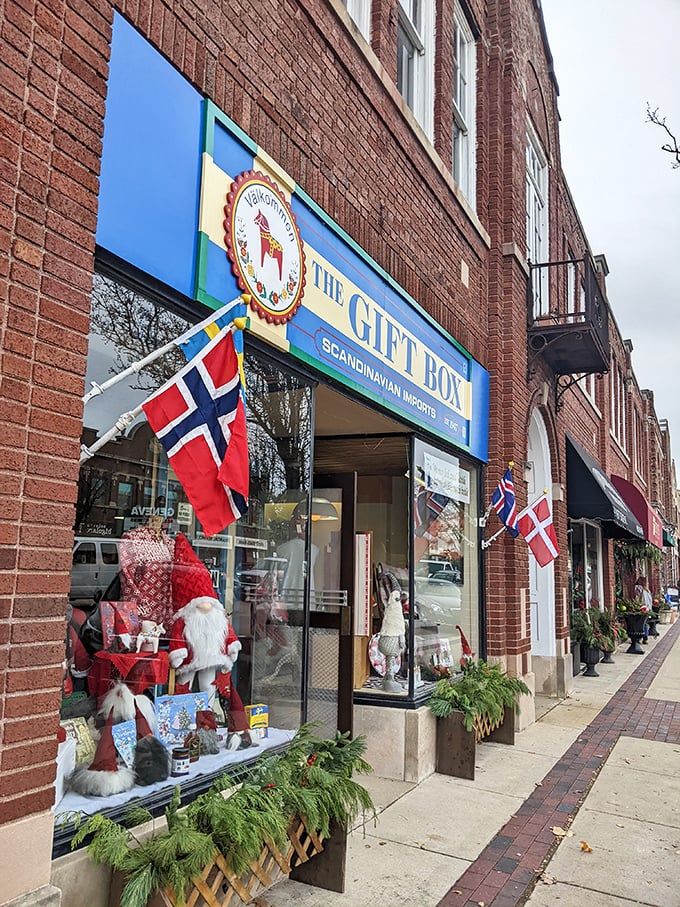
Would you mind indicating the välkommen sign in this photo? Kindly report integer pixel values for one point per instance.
(317, 295)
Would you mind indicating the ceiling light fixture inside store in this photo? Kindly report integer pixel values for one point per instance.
(322, 509)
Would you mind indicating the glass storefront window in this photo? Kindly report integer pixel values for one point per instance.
(585, 565)
(140, 554)
(439, 584)
(446, 561)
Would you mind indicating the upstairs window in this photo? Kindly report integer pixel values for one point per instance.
(415, 59)
(464, 79)
(360, 11)
(537, 221)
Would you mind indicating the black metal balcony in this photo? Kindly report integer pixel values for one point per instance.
(570, 343)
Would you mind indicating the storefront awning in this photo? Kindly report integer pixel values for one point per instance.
(592, 496)
(668, 540)
(638, 503)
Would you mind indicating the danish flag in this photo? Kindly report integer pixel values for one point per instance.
(199, 418)
(535, 523)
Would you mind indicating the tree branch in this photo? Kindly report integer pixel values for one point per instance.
(674, 149)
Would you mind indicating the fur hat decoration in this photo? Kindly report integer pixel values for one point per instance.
(104, 777)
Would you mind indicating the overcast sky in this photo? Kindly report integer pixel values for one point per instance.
(611, 57)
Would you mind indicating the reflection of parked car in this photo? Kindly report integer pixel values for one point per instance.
(95, 565)
(258, 578)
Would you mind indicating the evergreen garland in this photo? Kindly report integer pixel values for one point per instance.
(312, 779)
(483, 689)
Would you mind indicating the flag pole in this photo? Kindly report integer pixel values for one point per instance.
(126, 419)
(122, 422)
(98, 389)
(487, 542)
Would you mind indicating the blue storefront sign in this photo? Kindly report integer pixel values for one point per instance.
(313, 292)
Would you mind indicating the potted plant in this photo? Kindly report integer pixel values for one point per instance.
(634, 613)
(240, 836)
(609, 633)
(578, 630)
(664, 612)
(479, 703)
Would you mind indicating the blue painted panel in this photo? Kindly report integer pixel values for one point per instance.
(148, 201)
(479, 429)
(229, 154)
(220, 280)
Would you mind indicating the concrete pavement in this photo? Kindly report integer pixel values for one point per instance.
(601, 767)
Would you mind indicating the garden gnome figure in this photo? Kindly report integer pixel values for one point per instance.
(392, 639)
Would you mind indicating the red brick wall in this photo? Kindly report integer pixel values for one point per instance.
(294, 78)
(52, 72)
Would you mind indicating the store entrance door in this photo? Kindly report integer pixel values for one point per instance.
(329, 678)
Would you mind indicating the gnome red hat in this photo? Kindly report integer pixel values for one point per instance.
(142, 725)
(190, 577)
(104, 777)
(468, 654)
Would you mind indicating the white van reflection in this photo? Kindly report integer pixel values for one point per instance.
(95, 565)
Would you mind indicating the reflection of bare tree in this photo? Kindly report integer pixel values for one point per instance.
(279, 409)
(136, 326)
(91, 489)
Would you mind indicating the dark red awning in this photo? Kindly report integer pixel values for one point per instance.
(643, 510)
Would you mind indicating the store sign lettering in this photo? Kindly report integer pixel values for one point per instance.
(372, 329)
(152, 511)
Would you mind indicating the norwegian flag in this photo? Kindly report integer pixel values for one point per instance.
(199, 418)
(535, 523)
(503, 502)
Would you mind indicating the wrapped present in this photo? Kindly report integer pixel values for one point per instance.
(257, 715)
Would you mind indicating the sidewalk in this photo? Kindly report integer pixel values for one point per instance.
(603, 766)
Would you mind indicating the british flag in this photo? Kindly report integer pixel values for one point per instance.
(199, 418)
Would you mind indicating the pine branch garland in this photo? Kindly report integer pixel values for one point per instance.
(313, 779)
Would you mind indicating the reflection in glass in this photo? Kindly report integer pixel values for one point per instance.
(129, 484)
(446, 561)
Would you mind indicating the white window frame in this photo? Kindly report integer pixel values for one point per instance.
(416, 21)
(464, 104)
(360, 12)
(537, 220)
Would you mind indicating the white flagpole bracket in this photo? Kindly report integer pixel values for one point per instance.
(122, 422)
(98, 389)
(487, 542)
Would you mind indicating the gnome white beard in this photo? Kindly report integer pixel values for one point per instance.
(121, 699)
(206, 633)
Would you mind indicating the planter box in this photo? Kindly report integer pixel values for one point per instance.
(456, 747)
(217, 886)
(665, 617)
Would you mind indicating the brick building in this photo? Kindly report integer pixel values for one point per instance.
(453, 319)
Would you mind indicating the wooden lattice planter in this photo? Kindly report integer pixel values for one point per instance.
(456, 746)
(217, 886)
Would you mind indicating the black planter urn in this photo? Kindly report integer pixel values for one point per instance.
(591, 656)
(635, 625)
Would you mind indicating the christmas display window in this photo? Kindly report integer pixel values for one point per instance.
(182, 652)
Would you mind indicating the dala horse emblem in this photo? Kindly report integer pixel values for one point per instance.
(268, 245)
